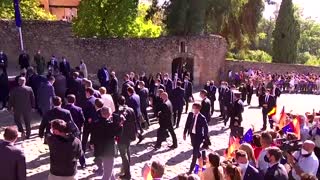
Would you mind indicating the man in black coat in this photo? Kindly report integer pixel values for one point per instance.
(13, 166)
(65, 67)
(134, 102)
(177, 103)
(165, 122)
(53, 65)
(276, 171)
(76, 111)
(167, 82)
(267, 102)
(236, 109)
(197, 127)
(4, 90)
(211, 89)
(113, 88)
(250, 92)
(24, 60)
(222, 94)
(188, 88)
(247, 170)
(144, 100)
(103, 76)
(74, 87)
(205, 110)
(104, 132)
(127, 136)
(127, 83)
(3, 61)
(57, 113)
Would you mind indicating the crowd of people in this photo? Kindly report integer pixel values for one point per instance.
(78, 114)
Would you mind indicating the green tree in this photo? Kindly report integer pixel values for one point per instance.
(105, 18)
(286, 34)
(310, 37)
(30, 10)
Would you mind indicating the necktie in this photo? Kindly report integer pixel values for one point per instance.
(231, 97)
(193, 122)
(267, 98)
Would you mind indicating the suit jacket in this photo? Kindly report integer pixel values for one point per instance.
(222, 92)
(22, 99)
(89, 109)
(276, 172)
(165, 114)
(45, 95)
(168, 86)
(58, 113)
(178, 98)
(103, 76)
(201, 126)
(211, 92)
(65, 68)
(13, 166)
(249, 89)
(270, 104)
(124, 90)
(144, 97)
(205, 109)
(251, 173)
(156, 88)
(74, 86)
(77, 114)
(24, 60)
(113, 86)
(53, 64)
(129, 125)
(134, 102)
(187, 89)
(60, 85)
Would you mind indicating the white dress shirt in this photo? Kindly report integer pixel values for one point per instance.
(308, 165)
(195, 123)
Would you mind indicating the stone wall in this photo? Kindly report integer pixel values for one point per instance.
(121, 55)
(237, 66)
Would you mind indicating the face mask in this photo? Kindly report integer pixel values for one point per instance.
(165, 78)
(185, 80)
(211, 84)
(243, 166)
(305, 153)
(266, 159)
(157, 84)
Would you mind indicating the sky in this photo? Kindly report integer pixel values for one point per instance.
(310, 8)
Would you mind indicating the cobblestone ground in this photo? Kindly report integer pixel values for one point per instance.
(177, 161)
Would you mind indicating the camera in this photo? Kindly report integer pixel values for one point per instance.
(289, 146)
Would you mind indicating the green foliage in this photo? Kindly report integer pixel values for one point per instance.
(286, 34)
(29, 9)
(251, 55)
(264, 35)
(105, 18)
(310, 37)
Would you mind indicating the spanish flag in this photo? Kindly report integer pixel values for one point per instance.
(294, 127)
(283, 119)
(234, 144)
(272, 112)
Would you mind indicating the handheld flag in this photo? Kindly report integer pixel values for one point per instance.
(17, 13)
(233, 146)
(272, 112)
(248, 137)
(293, 127)
(283, 118)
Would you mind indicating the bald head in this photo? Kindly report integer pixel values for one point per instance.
(308, 146)
(22, 81)
(164, 96)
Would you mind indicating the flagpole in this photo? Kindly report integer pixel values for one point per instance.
(21, 40)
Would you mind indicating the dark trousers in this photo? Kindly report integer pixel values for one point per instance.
(4, 101)
(212, 105)
(265, 118)
(124, 150)
(221, 109)
(115, 101)
(85, 137)
(26, 118)
(249, 97)
(187, 103)
(195, 142)
(145, 115)
(317, 153)
(138, 125)
(162, 135)
(177, 116)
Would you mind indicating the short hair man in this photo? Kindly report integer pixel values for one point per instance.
(13, 162)
(64, 151)
(275, 170)
(247, 171)
(265, 140)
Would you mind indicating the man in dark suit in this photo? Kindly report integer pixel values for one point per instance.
(144, 100)
(228, 101)
(3, 61)
(158, 86)
(222, 91)
(197, 127)
(127, 83)
(188, 88)
(267, 102)
(45, 94)
(113, 88)
(205, 111)
(134, 102)
(165, 122)
(22, 101)
(249, 92)
(13, 166)
(103, 76)
(276, 171)
(4, 90)
(247, 170)
(74, 86)
(211, 89)
(60, 85)
(65, 67)
(177, 103)
(236, 109)
(167, 82)
(24, 60)
(57, 113)
(53, 65)
(40, 62)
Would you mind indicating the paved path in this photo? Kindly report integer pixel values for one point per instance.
(177, 161)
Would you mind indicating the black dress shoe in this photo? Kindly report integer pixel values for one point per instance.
(140, 139)
(263, 129)
(173, 146)
(83, 166)
(156, 147)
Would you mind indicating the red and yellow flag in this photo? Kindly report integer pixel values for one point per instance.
(234, 144)
(283, 119)
(296, 127)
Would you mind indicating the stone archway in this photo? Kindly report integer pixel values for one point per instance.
(183, 66)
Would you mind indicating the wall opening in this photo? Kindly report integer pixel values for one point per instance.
(183, 66)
